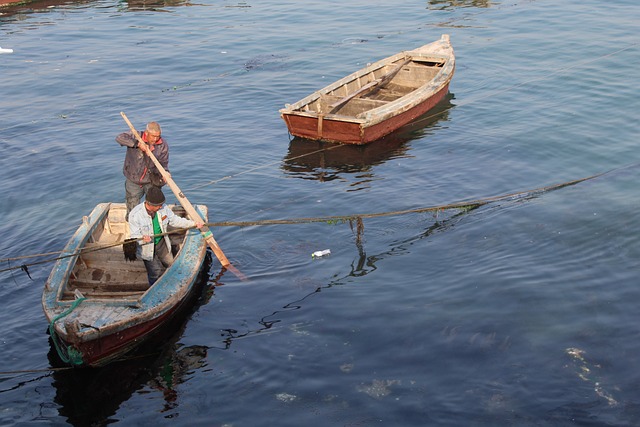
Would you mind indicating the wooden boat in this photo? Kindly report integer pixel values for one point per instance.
(376, 100)
(326, 161)
(100, 305)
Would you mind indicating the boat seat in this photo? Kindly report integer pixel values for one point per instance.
(103, 294)
(413, 75)
(357, 106)
(390, 92)
(99, 272)
(323, 103)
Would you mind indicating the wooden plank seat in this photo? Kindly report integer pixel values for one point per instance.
(100, 272)
(130, 295)
(360, 105)
(391, 92)
(414, 74)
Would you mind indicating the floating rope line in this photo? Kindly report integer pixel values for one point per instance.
(335, 219)
(224, 178)
(472, 204)
(81, 251)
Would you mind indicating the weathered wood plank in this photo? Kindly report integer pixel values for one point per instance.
(106, 295)
(371, 86)
(360, 105)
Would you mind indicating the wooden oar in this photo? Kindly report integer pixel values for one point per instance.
(374, 84)
(193, 214)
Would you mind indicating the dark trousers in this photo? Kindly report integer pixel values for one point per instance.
(133, 194)
(162, 259)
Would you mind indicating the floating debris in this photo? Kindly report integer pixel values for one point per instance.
(346, 368)
(318, 254)
(585, 370)
(286, 397)
(378, 388)
(277, 62)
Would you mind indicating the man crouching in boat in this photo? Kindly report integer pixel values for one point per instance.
(150, 218)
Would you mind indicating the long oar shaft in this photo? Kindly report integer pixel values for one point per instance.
(182, 199)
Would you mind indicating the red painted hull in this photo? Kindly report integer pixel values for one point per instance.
(354, 133)
(111, 347)
(378, 131)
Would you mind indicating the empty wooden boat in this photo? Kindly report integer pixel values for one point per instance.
(100, 305)
(376, 100)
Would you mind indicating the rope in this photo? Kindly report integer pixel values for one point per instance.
(468, 205)
(81, 251)
(224, 178)
(458, 205)
(70, 354)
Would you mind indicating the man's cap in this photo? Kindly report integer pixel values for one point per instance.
(155, 196)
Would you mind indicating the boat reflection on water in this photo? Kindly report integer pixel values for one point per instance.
(92, 396)
(9, 8)
(154, 5)
(326, 161)
(449, 4)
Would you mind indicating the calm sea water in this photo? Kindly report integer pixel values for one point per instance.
(521, 312)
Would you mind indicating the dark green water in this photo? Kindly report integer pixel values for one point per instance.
(521, 312)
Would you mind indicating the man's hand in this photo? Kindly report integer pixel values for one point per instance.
(146, 238)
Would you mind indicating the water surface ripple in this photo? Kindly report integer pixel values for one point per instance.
(521, 312)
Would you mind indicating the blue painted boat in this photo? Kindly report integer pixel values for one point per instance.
(100, 305)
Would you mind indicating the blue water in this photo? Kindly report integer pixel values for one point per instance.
(521, 312)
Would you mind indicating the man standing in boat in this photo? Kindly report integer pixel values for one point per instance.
(138, 169)
(150, 218)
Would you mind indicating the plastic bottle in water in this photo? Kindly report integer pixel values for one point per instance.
(318, 254)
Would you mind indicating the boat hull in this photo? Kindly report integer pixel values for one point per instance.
(357, 133)
(99, 306)
(315, 119)
(111, 347)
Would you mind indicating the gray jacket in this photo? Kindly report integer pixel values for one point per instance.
(137, 165)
